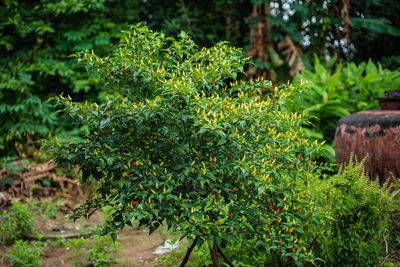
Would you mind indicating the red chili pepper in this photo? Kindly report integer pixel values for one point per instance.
(105, 132)
(240, 115)
(155, 137)
(214, 196)
(126, 70)
(212, 118)
(109, 74)
(209, 105)
(245, 230)
(107, 114)
(259, 123)
(134, 163)
(280, 242)
(272, 155)
(230, 155)
(270, 207)
(133, 202)
(198, 155)
(277, 219)
(126, 178)
(273, 102)
(213, 82)
(223, 109)
(295, 248)
(273, 203)
(272, 122)
(238, 132)
(230, 190)
(128, 173)
(229, 215)
(159, 63)
(290, 230)
(195, 171)
(212, 165)
(277, 211)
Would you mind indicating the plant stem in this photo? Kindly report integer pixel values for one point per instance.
(213, 253)
(186, 258)
(224, 257)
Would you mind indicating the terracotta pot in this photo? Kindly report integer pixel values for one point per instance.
(374, 133)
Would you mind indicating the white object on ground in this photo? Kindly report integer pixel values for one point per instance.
(167, 247)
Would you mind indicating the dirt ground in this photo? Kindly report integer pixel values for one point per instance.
(138, 248)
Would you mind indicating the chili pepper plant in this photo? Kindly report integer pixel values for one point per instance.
(187, 144)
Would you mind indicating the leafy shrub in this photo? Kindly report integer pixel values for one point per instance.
(17, 222)
(77, 251)
(190, 146)
(102, 252)
(360, 211)
(334, 93)
(26, 254)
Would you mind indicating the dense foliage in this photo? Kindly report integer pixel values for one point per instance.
(36, 40)
(189, 145)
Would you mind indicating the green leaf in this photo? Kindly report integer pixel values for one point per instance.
(74, 35)
(222, 141)
(377, 25)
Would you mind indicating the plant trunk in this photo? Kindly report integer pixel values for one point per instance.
(188, 252)
(224, 257)
(214, 253)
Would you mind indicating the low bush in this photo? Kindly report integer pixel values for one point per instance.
(17, 222)
(360, 211)
(24, 254)
(101, 252)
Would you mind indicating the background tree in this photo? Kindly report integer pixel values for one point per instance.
(36, 40)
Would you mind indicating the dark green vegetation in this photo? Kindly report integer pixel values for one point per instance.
(36, 40)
